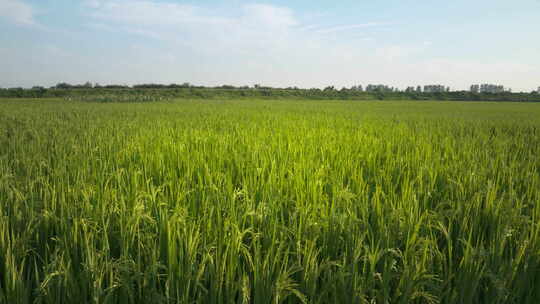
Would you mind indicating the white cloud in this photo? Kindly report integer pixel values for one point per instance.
(258, 31)
(249, 27)
(171, 21)
(256, 43)
(269, 16)
(17, 11)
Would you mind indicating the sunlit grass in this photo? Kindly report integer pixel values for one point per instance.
(269, 202)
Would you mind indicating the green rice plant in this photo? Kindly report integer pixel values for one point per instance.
(268, 201)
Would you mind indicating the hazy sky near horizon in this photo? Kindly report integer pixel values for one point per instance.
(275, 42)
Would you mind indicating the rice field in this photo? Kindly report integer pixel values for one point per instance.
(251, 201)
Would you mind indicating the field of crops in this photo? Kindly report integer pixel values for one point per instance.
(250, 201)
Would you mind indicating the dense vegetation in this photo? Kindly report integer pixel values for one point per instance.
(230, 92)
(269, 201)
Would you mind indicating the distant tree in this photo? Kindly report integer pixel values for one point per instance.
(63, 86)
(16, 92)
(37, 91)
(116, 86)
(149, 86)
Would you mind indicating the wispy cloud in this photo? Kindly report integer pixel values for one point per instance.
(17, 11)
(191, 25)
(269, 44)
(174, 17)
(182, 21)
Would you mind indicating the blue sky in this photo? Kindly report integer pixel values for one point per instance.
(277, 43)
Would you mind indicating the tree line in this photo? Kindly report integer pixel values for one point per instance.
(186, 90)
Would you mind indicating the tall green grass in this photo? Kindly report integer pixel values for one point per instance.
(269, 202)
